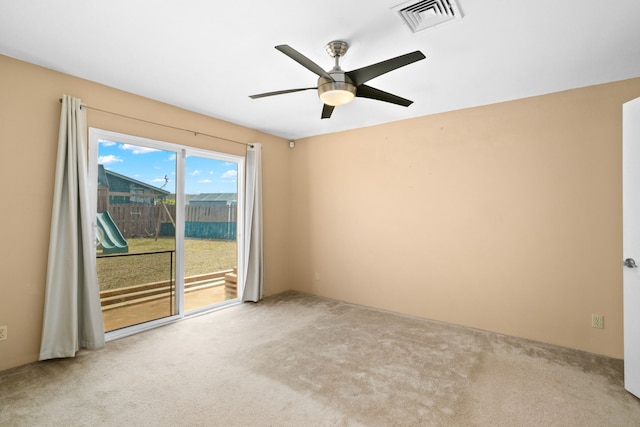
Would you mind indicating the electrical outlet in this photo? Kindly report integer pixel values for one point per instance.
(316, 276)
(597, 321)
(4, 330)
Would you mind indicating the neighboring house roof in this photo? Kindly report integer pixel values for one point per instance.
(215, 197)
(103, 181)
(104, 174)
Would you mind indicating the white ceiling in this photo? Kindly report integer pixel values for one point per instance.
(209, 56)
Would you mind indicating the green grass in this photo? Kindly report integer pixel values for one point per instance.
(201, 256)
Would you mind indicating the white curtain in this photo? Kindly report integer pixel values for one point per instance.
(253, 249)
(72, 313)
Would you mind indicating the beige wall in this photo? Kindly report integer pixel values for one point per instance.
(504, 218)
(29, 117)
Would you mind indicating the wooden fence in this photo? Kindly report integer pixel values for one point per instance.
(139, 220)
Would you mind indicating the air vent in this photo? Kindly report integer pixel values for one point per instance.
(421, 15)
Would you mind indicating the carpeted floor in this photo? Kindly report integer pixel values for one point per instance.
(298, 360)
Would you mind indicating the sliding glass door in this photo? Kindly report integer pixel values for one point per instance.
(166, 229)
(210, 231)
(136, 239)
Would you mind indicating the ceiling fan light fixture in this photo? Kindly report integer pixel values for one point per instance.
(337, 97)
(335, 93)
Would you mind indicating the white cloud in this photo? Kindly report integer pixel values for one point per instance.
(205, 181)
(106, 160)
(230, 174)
(195, 172)
(136, 149)
(106, 143)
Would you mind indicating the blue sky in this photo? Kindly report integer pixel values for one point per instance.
(152, 166)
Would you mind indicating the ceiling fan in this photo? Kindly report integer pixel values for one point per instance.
(337, 87)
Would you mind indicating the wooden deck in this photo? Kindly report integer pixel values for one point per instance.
(146, 309)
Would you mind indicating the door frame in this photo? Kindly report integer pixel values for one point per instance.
(631, 243)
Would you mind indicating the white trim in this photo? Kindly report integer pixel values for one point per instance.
(180, 201)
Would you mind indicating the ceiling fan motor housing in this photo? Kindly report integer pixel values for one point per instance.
(338, 91)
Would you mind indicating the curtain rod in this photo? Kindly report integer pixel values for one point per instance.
(196, 133)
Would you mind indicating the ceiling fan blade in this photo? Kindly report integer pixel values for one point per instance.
(280, 92)
(326, 111)
(364, 74)
(364, 91)
(303, 60)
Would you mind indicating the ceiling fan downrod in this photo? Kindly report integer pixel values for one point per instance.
(337, 49)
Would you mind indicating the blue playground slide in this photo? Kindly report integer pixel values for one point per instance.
(112, 241)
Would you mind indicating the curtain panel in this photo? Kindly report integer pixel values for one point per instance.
(253, 288)
(72, 313)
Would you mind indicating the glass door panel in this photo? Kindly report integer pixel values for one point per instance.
(135, 233)
(210, 231)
